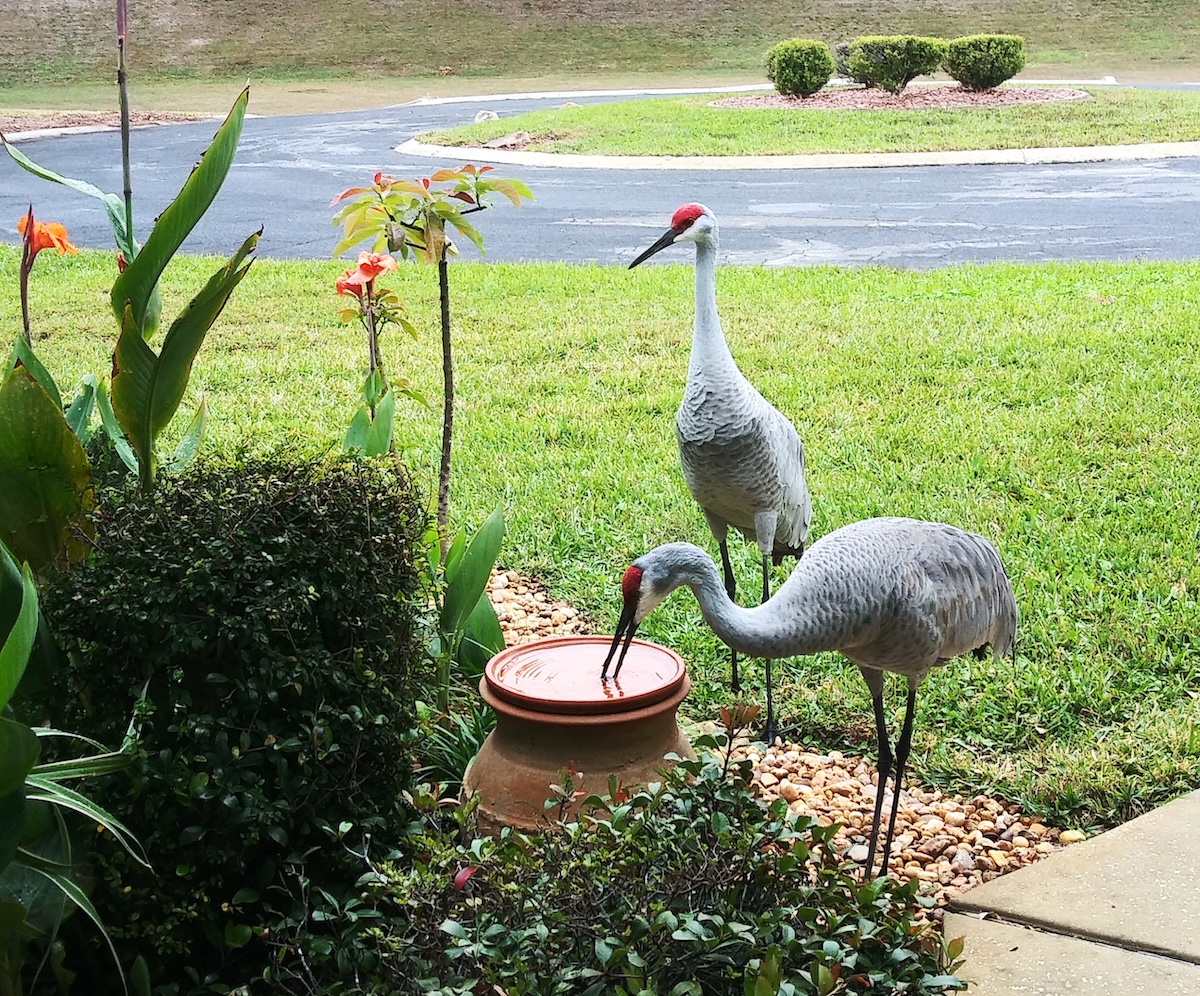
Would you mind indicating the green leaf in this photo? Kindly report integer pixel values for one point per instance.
(379, 436)
(12, 825)
(45, 479)
(471, 576)
(108, 419)
(147, 389)
(46, 790)
(358, 432)
(135, 286)
(19, 639)
(482, 638)
(185, 452)
(72, 891)
(139, 977)
(237, 935)
(114, 206)
(23, 355)
(79, 415)
(19, 750)
(454, 929)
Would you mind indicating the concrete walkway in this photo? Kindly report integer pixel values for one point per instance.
(1113, 916)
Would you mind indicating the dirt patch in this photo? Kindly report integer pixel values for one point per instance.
(924, 98)
(12, 122)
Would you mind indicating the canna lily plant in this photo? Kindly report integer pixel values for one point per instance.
(412, 217)
(37, 235)
(371, 431)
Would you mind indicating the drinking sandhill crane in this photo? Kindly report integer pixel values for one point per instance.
(898, 595)
(742, 459)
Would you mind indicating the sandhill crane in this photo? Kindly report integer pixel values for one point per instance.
(898, 595)
(742, 459)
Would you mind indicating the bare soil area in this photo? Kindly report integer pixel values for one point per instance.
(919, 98)
(12, 122)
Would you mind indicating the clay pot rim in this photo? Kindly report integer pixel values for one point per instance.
(646, 711)
(601, 707)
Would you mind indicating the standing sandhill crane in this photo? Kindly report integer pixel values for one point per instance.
(742, 459)
(899, 595)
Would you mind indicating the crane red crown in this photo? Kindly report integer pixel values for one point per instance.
(631, 583)
(682, 219)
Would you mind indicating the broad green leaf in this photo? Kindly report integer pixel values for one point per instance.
(137, 283)
(23, 355)
(185, 452)
(19, 750)
(360, 429)
(379, 436)
(45, 480)
(514, 190)
(139, 977)
(17, 645)
(114, 206)
(147, 388)
(471, 577)
(454, 554)
(482, 638)
(237, 935)
(108, 419)
(79, 415)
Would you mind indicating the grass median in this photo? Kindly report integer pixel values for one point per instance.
(690, 126)
(1049, 407)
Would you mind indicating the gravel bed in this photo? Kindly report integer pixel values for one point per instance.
(948, 842)
(32, 120)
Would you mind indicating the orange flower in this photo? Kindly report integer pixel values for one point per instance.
(370, 266)
(46, 235)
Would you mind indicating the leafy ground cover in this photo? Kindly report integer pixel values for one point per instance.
(679, 126)
(1050, 407)
(61, 41)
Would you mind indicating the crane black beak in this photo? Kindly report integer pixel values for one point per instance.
(668, 238)
(626, 627)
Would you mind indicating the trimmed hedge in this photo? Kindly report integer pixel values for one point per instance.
(271, 613)
(799, 67)
(894, 61)
(981, 62)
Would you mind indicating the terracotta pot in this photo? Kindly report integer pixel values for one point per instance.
(553, 711)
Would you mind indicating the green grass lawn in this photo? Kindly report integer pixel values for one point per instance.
(1052, 408)
(681, 126)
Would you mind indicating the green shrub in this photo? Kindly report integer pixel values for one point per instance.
(270, 611)
(980, 62)
(799, 67)
(841, 64)
(689, 887)
(894, 61)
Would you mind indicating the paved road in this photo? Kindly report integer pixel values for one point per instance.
(288, 169)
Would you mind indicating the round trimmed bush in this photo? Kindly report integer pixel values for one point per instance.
(894, 61)
(799, 67)
(981, 62)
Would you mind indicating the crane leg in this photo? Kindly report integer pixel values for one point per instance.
(885, 767)
(770, 731)
(901, 758)
(735, 684)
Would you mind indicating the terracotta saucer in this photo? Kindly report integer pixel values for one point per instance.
(561, 674)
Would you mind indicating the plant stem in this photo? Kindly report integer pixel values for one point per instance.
(443, 506)
(372, 343)
(26, 269)
(123, 90)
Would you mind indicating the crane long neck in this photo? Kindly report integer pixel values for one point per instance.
(789, 624)
(709, 349)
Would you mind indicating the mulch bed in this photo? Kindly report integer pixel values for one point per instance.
(917, 98)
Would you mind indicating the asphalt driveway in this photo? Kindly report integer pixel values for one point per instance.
(288, 168)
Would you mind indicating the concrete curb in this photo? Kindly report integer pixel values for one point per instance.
(981, 157)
